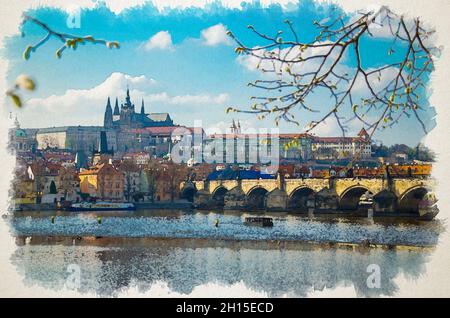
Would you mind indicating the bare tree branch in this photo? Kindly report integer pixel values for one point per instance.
(377, 97)
(25, 82)
(69, 40)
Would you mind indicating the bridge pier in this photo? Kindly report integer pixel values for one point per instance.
(235, 199)
(203, 199)
(384, 202)
(326, 200)
(277, 200)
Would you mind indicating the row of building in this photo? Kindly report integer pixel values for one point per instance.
(54, 177)
(50, 181)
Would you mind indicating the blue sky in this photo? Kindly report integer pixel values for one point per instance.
(179, 61)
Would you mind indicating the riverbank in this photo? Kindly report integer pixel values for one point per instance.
(189, 206)
(158, 205)
(193, 243)
(163, 205)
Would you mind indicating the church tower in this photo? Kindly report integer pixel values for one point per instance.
(116, 108)
(363, 134)
(128, 104)
(102, 154)
(16, 123)
(108, 119)
(142, 108)
(127, 112)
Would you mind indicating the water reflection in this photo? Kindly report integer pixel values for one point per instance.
(183, 264)
(185, 250)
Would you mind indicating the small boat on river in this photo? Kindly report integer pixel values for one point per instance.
(259, 221)
(101, 206)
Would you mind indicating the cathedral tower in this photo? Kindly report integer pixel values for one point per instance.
(103, 154)
(108, 119)
(116, 108)
(127, 112)
(142, 108)
(128, 104)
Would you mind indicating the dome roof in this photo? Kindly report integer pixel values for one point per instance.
(20, 133)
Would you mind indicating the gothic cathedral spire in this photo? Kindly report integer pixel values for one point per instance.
(116, 107)
(142, 108)
(128, 104)
(108, 120)
(127, 98)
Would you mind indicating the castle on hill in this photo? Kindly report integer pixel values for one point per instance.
(126, 116)
(124, 129)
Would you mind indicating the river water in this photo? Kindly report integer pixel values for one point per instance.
(185, 250)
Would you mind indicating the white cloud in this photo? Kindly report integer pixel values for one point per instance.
(189, 100)
(327, 128)
(292, 58)
(222, 127)
(377, 80)
(114, 85)
(86, 106)
(199, 99)
(330, 128)
(161, 40)
(215, 35)
(117, 82)
(81, 106)
(385, 28)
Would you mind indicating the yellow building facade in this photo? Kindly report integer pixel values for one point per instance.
(103, 181)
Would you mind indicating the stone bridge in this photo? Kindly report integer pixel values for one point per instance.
(389, 195)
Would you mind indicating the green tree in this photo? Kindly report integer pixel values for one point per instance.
(172, 175)
(153, 172)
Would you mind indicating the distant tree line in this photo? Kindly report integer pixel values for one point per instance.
(419, 152)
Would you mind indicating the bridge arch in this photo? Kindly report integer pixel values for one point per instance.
(385, 201)
(410, 199)
(188, 193)
(349, 199)
(256, 198)
(299, 197)
(218, 196)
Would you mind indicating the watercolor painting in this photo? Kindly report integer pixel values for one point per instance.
(224, 149)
